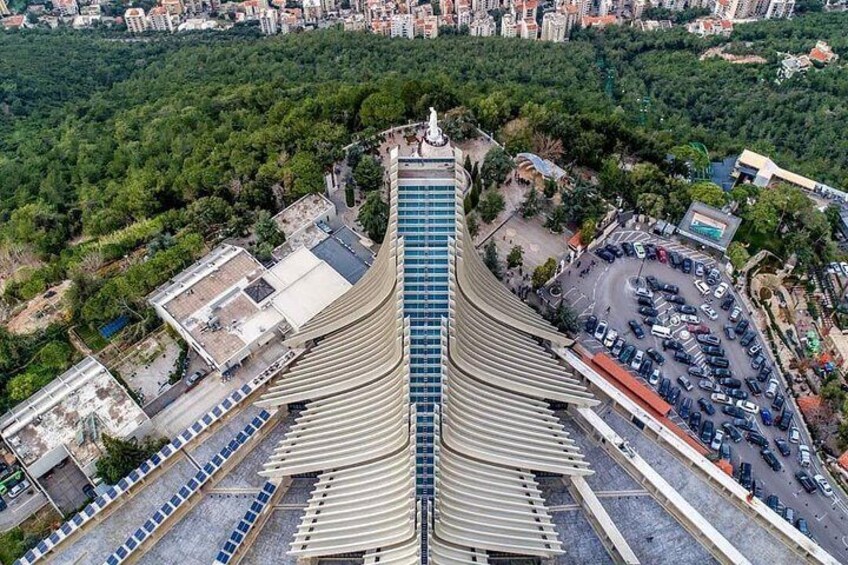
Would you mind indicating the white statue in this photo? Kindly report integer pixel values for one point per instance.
(434, 132)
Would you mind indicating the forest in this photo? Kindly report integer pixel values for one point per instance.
(112, 147)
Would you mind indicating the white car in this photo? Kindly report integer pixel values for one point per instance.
(735, 314)
(721, 290)
(794, 435)
(655, 377)
(690, 319)
(748, 407)
(610, 338)
(702, 287)
(639, 249)
(644, 292)
(804, 455)
(18, 489)
(637, 360)
(717, 439)
(708, 310)
(823, 485)
(601, 330)
(721, 398)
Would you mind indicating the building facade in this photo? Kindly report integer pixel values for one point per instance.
(136, 20)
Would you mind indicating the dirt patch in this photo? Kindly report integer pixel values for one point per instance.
(718, 52)
(41, 311)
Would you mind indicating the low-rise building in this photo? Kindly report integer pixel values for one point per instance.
(355, 22)
(708, 227)
(66, 8)
(599, 22)
(706, 27)
(651, 25)
(173, 7)
(823, 54)
(135, 20)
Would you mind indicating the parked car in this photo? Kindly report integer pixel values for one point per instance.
(718, 438)
(753, 386)
(745, 424)
(648, 311)
(627, 354)
(778, 402)
(771, 459)
(686, 265)
(195, 378)
(645, 292)
(695, 421)
(773, 502)
(685, 408)
(617, 346)
(18, 489)
(674, 298)
(736, 393)
(741, 327)
(804, 455)
(823, 486)
(735, 314)
(801, 525)
(745, 476)
(637, 360)
(651, 251)
(670, 288)
(713, 277)
(646, 368)
(665, 386)
(716, 361)
(748, 406)
(730, 332)
(675, 259)
(655, 378)
(708, 339)
(690, 319)
(651, 321)
(709, 311)
(706, 406)
(806, 481)
(771, 388)
(614, 249)
(721, 290)
(732, 431)
(637, 329)
(707, 430)
(713, 350)
(756, 438)
(766, 417)
(720, 398)
(609, 339)
(747, 338)
(601, 330)
(785, 419)
(754, 349)
(699, 330)
(645, 301)
(789, 514)
(662, 254)
(683, 357)
(686, 309)
(673, 344)
(627, 247)
(605, 255)
(590, 324)
(702, 287)
(639, 249)
(706, 384)
(652, 282)
(655, 355)
(730, 382)
(720, 373)
(699, 269)
(685, 383)
(782, 446)
(794, 435)
(673, 395)
(727, 303)
(696, 372)
(757, 362)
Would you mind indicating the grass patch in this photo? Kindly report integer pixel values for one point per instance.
(757, 241)
(17, 541)
(91, 337)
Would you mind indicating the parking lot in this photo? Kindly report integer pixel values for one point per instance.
(607, 291)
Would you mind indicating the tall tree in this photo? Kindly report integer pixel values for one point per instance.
(496, 166)
(490, 258)
(374, 216)
(368, 174)
(491, 205)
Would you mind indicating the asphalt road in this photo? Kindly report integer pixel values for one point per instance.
(608, 291)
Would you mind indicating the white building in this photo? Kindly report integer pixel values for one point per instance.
(136, 20)
(554, 27)
(355, 22)
(508, 27)
(160, 19)
(482, 26)
(779, 9)
(403, 25)
(269, 21)
(66, 8)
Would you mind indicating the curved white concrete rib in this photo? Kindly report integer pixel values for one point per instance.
(443, 553)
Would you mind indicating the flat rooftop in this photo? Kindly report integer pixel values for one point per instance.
(85, 398)
(345, 252)
(303, 213)
(709, 226)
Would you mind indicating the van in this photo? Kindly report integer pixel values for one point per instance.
(771, 389)
(661, 332)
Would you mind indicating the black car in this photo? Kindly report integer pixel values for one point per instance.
(732, 431)
(756, 438)
(727, 303)
(745, 476)
(652, 281)
(785, 419)
(645, 301)
(686, 309)
(715, 361)
(745, 424)
(754, 386)
(614, 249)
(746, 339)
(683, 357)
(730, 332)
(782, 446)
(590, 324)
(648, 311)
(741, 327)
(646, 368)
(801, 525)
(736, 393)
(636, 328)
(651, 321)
(655, 355)
(721, 373)
(686, 266)
(675, 259)
(757, 489)
(670, 288)
(771, 459)
(2, 504)
(665, 385)
(605, 255)
(685, 408)
(707, 432)
(712, 350)
(730, 382)
(773, 502)
(766, 371)
(806, 481)
(695, 420)
(651, 251)
(673, 395)
(627, 354)
(757, 362)
(733, 411)
(674, 298)
(669, 343)
(88, 491)
(708, 339)
(778, 402)
(627, 247)
(706, 406)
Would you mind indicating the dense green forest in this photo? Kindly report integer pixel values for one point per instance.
(121, 149)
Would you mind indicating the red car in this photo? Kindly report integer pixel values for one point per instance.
(662, 254)
(698, 329)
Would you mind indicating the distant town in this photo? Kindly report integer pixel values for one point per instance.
(528, 19)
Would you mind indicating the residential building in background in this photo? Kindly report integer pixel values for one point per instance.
(160, 19)
(135, 20)
(269, 21)
(482, 26)
(554, 27)
(403, 25)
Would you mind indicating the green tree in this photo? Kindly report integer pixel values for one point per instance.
(459, 125)
(209, 214)
(565, 319)
(588, 230)
(530, 206)
(302, 175)
(708, 193)
(120, 456)
(491, 205)
(737, 254)
(472, 224)
(496, 166)
(267, 235)
(515, 257)
(22, 386)
(651, 204)
(368, 174)
(374, 216)
(381, 110)
(550, 188)
(490, 258)
(556, 219)
(544, 272)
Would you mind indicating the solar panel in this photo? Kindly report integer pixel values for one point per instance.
(158, 517)
(131, 544)
(185, 493)
(149, 526)
(112, 560)
(193, 484)
(209, 468)
(140, 534)
(241, 437)
(269, 488)
(175, 501)
(236, 537)
(236, 396)
(122, 552)
(263, 497)
(123, 484)
(156, 459)
(112, 492)
(250, 517)
(243, 527)
(230, 547)
(100, 501)
(256, 507)
(218, 459)
(197, 426)
(217, 411)
(89, 510)
(207, 419)
(176, 443)
(134, 476)
(187, 435)
(166, 509)
(257, 422)
(227, 404)
(42, 547)
(54, 538)
(66, 528)
(77, 520)
(144, 467)
(233, 445)
(223, 557)
(29, 555)
(246, 389)
(166, 451)
(264, 414)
